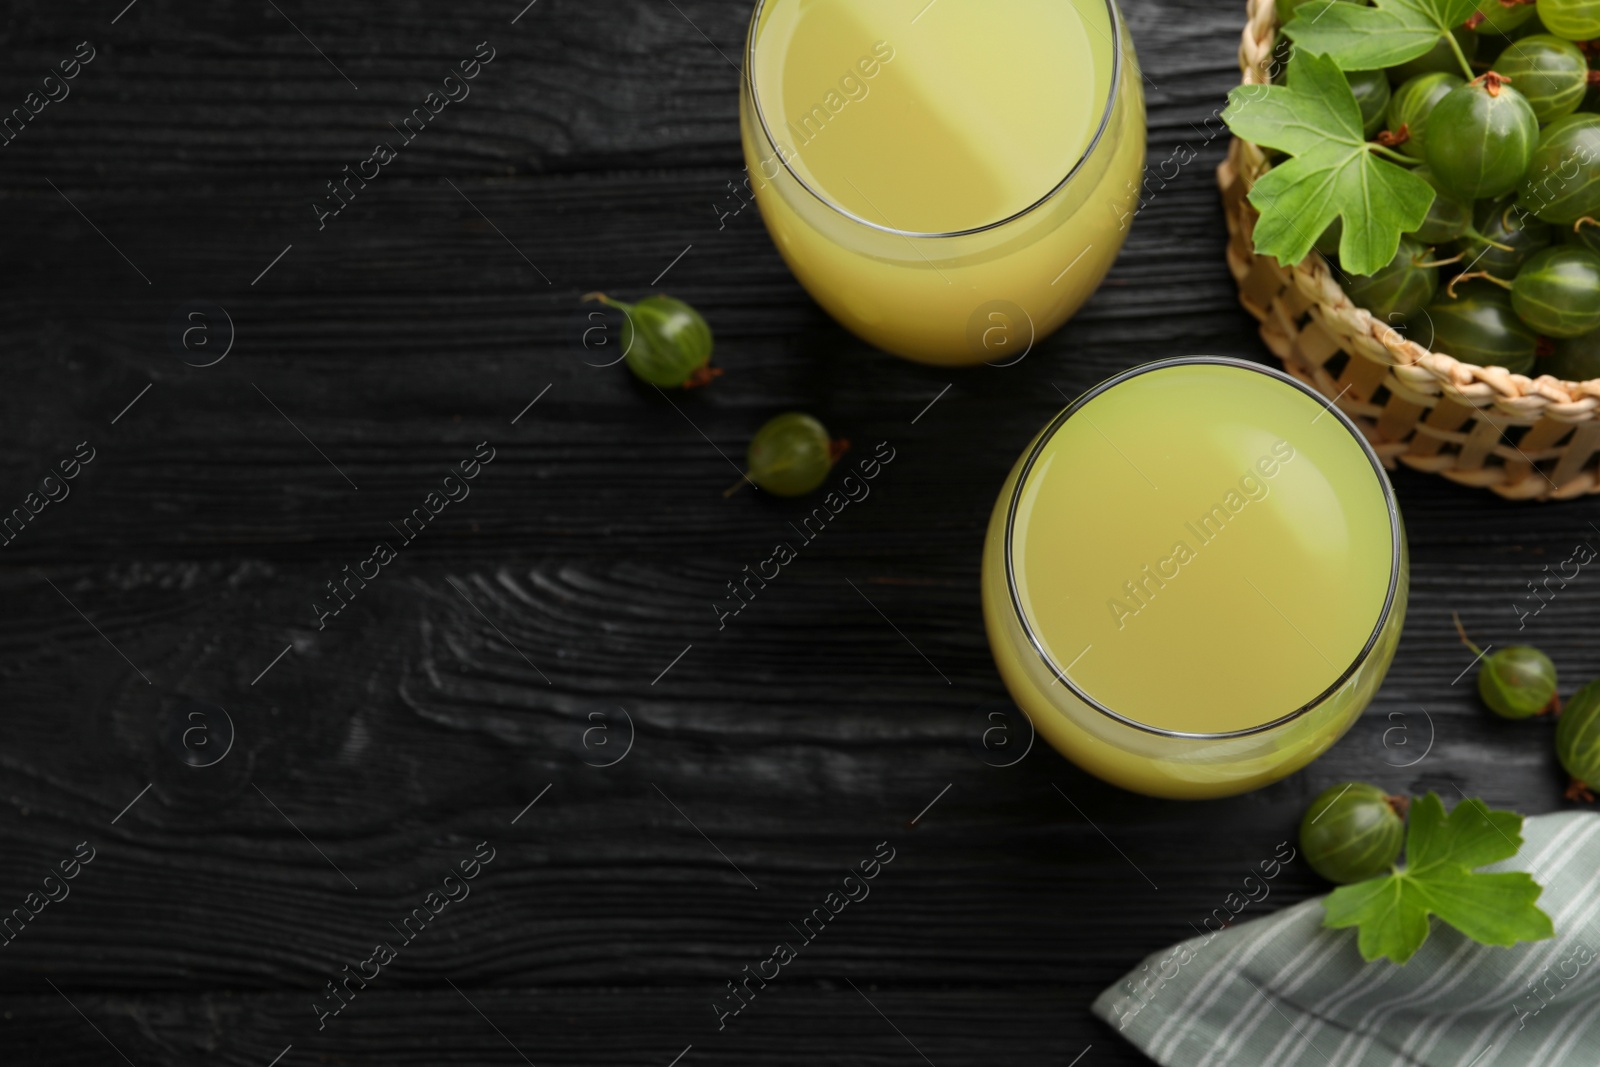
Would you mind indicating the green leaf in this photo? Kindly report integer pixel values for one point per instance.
(1334, 172)
(1442, 852)
(1357, 37)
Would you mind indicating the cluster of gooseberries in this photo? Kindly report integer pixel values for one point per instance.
(1505, 271)
(1519, 682)
(1354, 830)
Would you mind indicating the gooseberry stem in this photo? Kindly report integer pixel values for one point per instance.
(1485, 275)
(1461, 57)
(1587, 220)
(1579, 790)
(1472, 232)
(608, 302)
(1457, 258)
(744, 480)
(1399, 804)
(1390, 153)
(1465, 640)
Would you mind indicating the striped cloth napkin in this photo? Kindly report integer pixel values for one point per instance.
(1283, 991)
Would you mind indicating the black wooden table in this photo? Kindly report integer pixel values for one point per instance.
(272, 782)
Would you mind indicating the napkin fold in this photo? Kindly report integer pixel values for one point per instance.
(1283, 991)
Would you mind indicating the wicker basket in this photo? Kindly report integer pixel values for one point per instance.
(1525, 438)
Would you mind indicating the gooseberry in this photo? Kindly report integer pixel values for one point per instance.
(1480, 138)
(1500, 17)
(1352, 831)
(1515, 682)
(1398, 289)
(1576, 20)
(1578, 741)
(1553, 74)
(1411, 105)
(1557, 291)
(1448, 218)
(665, 341)
(1563, 174)
(792, 454)
(1371, 89)
(1502, 236)
(1478, 325)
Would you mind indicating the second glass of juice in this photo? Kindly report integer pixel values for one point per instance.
(1195, 578)
(949, 179)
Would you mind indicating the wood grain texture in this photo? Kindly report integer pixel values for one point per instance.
(379, 750)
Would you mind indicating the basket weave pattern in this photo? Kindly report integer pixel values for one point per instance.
(1525, 438)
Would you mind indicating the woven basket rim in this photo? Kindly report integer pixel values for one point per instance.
(1255, 59)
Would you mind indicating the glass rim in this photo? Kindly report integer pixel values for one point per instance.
(1112, 97)
(1396, 541)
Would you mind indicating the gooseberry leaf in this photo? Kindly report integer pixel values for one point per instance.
(1440, 878)
(1358, 37)
(1334, 171)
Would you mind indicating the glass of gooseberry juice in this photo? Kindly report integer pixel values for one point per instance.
(1195, 577)
(949, 180)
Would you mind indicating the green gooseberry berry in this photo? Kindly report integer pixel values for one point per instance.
(1500, 18)
(1576, 359)
(1557, 291)
(1502, 237)
(1441, 57)
(791, 454)
(1578, 741)
(1576, 20)
(1352, 831)
(1398, 289)
(1531, 28)
(1477, 325)
(1514, 682)
(1517, 682)
(1562, 183)
(1412, 103)
(665, 341)
(1480, 138)
(1371, 89)
(1448, 218)
(1553, 74)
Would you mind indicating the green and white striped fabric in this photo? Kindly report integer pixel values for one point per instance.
(1283, 991)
